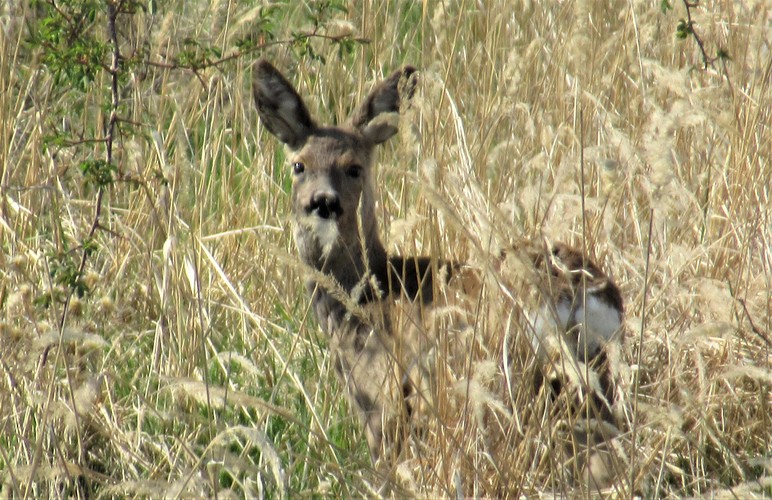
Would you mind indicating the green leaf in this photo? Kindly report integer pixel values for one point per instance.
(684, 29)
(97, 172)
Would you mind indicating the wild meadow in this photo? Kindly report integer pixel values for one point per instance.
(156, 338)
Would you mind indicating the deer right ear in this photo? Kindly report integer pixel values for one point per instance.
(281, 109)
(377, 117)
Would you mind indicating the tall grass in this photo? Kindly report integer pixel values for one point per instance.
(193, 367)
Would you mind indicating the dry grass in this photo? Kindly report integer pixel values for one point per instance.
(193, 366)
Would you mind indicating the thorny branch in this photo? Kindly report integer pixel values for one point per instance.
(197, 67)
(690, 29)
(686, 28)
(113, 9)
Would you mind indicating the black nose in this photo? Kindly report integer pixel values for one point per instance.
(325, 206)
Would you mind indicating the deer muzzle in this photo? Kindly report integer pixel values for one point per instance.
(325, 205)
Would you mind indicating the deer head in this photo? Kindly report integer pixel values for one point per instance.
(333, 200)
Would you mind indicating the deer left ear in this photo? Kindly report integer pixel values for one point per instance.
(279, 106)
(372, 116)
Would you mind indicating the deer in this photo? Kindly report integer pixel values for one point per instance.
(351, 279)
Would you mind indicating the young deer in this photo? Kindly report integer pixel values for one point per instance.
(353, 279)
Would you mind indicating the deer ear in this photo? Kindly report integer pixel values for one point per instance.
(281, 109)
(381, 128)
(385, 99)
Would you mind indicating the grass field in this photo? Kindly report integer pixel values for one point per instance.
(183, 361)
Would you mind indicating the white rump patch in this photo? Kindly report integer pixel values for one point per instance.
(601, 322)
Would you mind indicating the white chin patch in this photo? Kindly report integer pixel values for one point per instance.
(326, 233)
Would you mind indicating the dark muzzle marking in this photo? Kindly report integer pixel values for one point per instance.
(325, 206)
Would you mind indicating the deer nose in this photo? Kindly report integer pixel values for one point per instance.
(325, 205)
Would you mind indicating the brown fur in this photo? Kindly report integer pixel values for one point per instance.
(354, 281)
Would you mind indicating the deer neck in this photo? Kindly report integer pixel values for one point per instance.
(354, 264)
(356, 267)
(358, 280)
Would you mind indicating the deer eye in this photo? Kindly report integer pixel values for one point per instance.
(298, 168)
(354, 171)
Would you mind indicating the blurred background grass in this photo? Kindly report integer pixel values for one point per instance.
(183, 359)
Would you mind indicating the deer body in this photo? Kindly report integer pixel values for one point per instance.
(336, 233)
(354, 281)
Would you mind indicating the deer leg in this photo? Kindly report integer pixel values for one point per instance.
(366, 366)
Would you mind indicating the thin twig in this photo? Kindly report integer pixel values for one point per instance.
(755, 329)
(637, 383)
